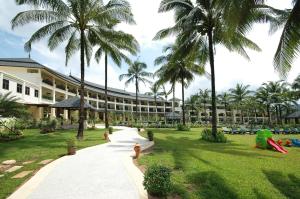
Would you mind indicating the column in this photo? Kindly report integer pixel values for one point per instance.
(53, 89)
(1, 80)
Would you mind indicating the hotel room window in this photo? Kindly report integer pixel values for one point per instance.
(36, 93)
(5, 84)
(27, 90)
(19, 88)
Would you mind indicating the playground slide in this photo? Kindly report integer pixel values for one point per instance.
(296, 142)
(276, 146)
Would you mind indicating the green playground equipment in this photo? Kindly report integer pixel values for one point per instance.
(262, 137)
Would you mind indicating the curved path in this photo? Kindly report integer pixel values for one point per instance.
(104, 171)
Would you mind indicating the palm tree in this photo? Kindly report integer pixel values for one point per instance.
(200, 26)
(137, 74)
(289, 42)
(194, 103)
(238, 95)
(164, 93)
(296, 87)
(80, 23)
(155, 93)
(204, 97)
(264, 97)
(118, 43)
(9, 106)
(224, 99)
(177, 70)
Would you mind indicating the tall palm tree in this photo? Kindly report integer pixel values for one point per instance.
(296, 87)
(118, 43)
(136, 74)
(224, 98)
(80, 23)
(202, 25)
(177, 70)
(238, 95)
(155, 93)
(194, 103)
(164, 93)
(264, 97)
(289, 42)
(204, 97)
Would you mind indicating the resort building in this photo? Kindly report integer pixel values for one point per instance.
(40, 88)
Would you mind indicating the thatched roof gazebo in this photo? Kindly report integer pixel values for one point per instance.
(73, 104)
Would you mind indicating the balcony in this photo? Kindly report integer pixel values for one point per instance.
(46, 81)
(61, 87)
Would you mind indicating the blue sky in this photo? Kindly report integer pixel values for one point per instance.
(230, 67)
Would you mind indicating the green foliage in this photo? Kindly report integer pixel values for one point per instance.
(110, 130)
(150, 135)
(9, 107)
(71, 142)
(157, 180)
(10, 129)
(181, 127)
(11, 135)
(207, 135)
(48, 125)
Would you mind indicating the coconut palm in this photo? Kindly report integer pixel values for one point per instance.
(296, 87)
(194, 103)
(202, 25)
(80, 23)
(136, 74)
(238, 95)
(9, 106)
(118, 43)
(224, 98)
(177, 70)
(204, 98)
(155, 93)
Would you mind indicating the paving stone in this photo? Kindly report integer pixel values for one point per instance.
(14, 168)
(4, 167)
(9, 162)
(22, 174)
(28, 162)
(46, 161)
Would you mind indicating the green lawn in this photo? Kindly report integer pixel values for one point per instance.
(232, 170)
(35, 146)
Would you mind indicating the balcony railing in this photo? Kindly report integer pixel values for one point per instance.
(47, 97)
(46, 81)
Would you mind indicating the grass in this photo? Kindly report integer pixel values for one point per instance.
(232, 170)
(38, 147)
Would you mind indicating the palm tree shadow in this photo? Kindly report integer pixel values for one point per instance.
(288, 185)
(211, 185)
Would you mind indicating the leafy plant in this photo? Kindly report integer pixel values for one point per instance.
(110, 130)
(181, 127)
(48, 125)
(157, 180)
(207, 135)
(150, 135)
(71, 143)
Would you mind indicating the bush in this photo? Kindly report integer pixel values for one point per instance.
(207, 136)
(71, 143)
(48, 125)
(11, 135)
(157, 181)
(110, 130)
(181, 127)
(150, 135)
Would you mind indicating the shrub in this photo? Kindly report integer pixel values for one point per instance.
(48, 125)
(71, 143)
(157, 181)
(150, 135)
(181, 127)
(11, 135)
(207, 136)
(110, 130)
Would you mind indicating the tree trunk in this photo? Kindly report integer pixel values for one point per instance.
(81, 109)
(269, 114)
(155, 101)
(225, 106)
(213, 89)
(106, 105)
(136, 100)
(183, 108)
(173, 106)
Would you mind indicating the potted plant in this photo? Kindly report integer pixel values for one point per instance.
(71, 146)
(137, 149)
(106, 135)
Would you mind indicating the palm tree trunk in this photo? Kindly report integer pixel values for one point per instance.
(81, 109)
(173, 106)
(225, 107)
(106, 112)
(183, 108)
(155, 101)
(136, 100)
(269, 114)
(213, 89)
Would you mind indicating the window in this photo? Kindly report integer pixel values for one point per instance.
(36, 93)
(5, 84)
(19, 88)
(27, 90)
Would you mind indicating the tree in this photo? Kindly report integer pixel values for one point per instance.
(174, 69)
(204, 97)
(118, 43)
(202, 25)
(224, 98)
(193, 103)
(80, 23)
(9, 106)
(264, 97)
(238, 95)
(155, 93)
(296, 87)
(137, 74)
(164, 93)
(289, 43)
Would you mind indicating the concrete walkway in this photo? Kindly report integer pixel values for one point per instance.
(105, 171)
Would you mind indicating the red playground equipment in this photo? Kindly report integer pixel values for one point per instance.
(264, 140)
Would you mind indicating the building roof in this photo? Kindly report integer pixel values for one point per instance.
(72, 103)
(294, 115)
(30, 63)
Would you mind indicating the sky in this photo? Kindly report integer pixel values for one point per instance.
(230, 68)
